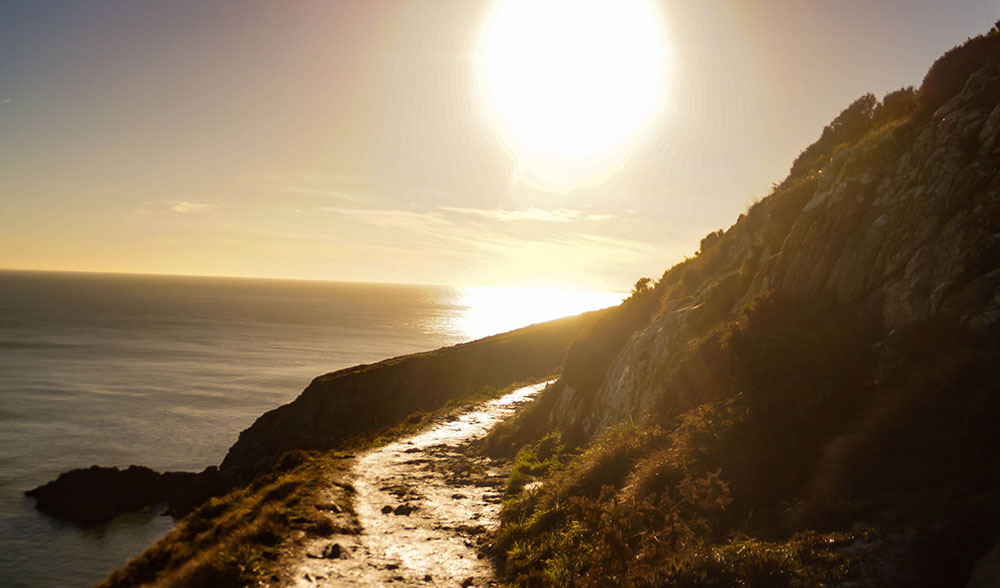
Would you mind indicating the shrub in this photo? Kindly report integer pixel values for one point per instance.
(709, 240)
(853, 122)
(801, 367)
(947, 76)
(896, 105)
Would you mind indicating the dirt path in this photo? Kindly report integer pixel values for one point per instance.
(423, 502)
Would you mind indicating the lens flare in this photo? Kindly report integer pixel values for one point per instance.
(571, 85)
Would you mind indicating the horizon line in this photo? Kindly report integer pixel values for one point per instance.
(286, 279)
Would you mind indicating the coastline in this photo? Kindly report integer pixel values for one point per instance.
(358, 406)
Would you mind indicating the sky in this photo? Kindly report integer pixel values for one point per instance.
(362, 140)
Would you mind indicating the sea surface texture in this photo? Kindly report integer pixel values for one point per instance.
(165, 371)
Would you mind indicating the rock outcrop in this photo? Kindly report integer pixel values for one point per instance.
(93, 495)
(902, 223)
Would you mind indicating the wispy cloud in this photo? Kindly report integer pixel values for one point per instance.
(562, 215)
(6, 100)
(345, 188)
(186, 207)
(325, 192)
(387, 218)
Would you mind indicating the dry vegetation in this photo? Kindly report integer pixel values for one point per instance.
(792, 449)
(237, 539)
(770, 485)
(231, 540)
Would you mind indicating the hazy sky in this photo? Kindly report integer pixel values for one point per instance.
(351, 140)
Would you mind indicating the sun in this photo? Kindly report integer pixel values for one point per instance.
(571, 85)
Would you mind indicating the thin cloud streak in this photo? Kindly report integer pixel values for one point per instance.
(185, 207)
(563, 215)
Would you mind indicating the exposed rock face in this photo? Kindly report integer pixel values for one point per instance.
(902, 225)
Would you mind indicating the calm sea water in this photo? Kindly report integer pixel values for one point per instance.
(165, 372)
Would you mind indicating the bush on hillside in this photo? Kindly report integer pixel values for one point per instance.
(895, 105)
(801, 366)
(948, 75)
(853, 122)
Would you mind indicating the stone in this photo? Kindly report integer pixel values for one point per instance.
(404, 509)
(334, 551)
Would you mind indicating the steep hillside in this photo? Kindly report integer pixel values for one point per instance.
(812, 398)
(364, 399)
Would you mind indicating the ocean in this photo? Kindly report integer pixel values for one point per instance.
(165, 371)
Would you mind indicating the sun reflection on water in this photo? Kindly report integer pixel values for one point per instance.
(488, 311)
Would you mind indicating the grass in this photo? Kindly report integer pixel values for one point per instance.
(796, 443)
(232, 539)
(809, 472)
(235, 540)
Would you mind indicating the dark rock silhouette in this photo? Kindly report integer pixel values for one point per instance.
(96, 494)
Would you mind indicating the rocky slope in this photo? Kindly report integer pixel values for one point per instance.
(905, 225)
(812, 398)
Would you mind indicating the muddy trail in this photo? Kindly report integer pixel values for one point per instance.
(423, 503)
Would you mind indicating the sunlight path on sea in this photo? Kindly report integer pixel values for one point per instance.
(423, 502)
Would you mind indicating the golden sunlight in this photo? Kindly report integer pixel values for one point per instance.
(496, 310)
(571, 84)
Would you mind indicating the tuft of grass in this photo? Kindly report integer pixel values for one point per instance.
(534, 461)
(232, 540)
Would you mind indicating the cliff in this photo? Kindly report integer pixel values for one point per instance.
(352, 405)
(826, 364)
(352, 402)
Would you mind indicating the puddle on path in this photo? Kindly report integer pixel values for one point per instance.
(423, 503)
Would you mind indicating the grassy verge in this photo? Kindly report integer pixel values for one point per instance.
(230, 540)
(236, 539)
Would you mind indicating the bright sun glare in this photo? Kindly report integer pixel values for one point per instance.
(571, 84)
(495, 310)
